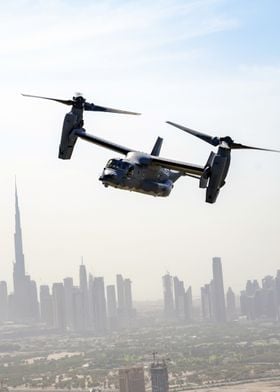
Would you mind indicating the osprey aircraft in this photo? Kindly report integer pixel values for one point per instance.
(143, 172)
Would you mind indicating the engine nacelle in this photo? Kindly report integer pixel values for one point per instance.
(217, 176)
(68, 137)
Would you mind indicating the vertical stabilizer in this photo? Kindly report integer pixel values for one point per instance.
(157, 147)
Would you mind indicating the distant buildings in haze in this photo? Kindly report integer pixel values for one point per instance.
(92, 306)
(213, 304)
(66, 307)
(177, 300)
(261, 302)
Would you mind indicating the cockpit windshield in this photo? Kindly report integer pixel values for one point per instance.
(118, 164)
(113, 164)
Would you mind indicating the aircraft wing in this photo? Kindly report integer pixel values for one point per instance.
(182, 167)
(102, 142)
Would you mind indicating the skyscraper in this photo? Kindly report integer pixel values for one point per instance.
(159, 376)
(206, 302)
(99, 305)
(120, 294)
(231, 306)
(188, 305)
(127, 297)
(3, 301)
(46, 306)
(24, 301)
(167, 281)
(59, 312)
(179, 296)
(79, 320)
(112, 307)
(219, 306)
(132, 379)
(68, 293)
(85, 295)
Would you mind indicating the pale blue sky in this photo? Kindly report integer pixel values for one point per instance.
(212, 65)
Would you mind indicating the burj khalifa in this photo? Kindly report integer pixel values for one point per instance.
(25, 303)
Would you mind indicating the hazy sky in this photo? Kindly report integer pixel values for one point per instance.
(213, 65)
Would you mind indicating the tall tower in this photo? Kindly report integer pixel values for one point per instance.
(46, 306)
(128, 297)
(179, 296)
(168, 298)
(22, 308)
(85, 294)
(159, 376)
(99, 305)
(112, 307)
(59, 313)
(3, 301)
(231, 304)
(120, 294)
(219, 306)
(19, 265)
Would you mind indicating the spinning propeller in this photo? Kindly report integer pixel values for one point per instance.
(225, 142)
(79, 102)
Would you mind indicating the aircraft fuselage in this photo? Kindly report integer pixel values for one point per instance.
(134, 173)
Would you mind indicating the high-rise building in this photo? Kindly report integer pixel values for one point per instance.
(261, 302)
(79, 320)
(85, 295)
(127, 297)
(168, 299)
(219, 306)
(99, 305)
(46, 306)
(112, 310)
(207, 302)
(188, 306)
(33, 300)
(179, 297)
(132, 379)
(120, 295)
(59, 311)
(24, 301)
(20, 300)
(68, 293)
(159, 376)
(3, 301)
(231, 304)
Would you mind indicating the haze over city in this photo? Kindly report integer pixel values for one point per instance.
(208, 65)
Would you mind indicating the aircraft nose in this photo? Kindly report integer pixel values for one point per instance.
(108, 175)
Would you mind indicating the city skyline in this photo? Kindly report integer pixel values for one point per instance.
(19, 265)
(93, 306)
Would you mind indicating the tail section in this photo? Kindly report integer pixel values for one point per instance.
(157, 147)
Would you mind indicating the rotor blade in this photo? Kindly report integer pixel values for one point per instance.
(238, 146)
(96, 108)
(64, 101)
(207, 138)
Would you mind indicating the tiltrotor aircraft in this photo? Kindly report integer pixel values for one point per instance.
(142, 172)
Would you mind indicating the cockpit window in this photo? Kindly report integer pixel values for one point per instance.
(113, 164)
(118, 164)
